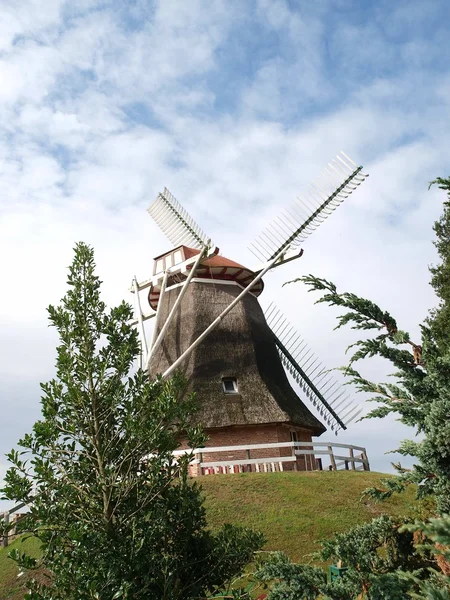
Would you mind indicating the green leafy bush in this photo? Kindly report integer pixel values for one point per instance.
(116, 515)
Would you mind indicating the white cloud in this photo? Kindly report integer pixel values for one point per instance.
(27, 19)
(101, 108)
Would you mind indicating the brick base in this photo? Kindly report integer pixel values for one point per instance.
(255, 434)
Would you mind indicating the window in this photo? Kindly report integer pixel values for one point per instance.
(294, 437)
(230, 385)
(163, 263)
(159, 266)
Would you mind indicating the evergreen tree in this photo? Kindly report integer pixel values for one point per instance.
(439, 321)
(116, 515)
(420, 395)
(369, 573)
(387, 559)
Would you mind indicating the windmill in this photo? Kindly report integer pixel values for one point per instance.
(209, 324)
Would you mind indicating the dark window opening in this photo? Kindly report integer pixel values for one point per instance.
(229, 385)
(294, 437)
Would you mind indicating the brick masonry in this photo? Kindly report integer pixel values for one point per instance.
(255, 434)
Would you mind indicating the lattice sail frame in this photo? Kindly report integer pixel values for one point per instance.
(339, 179)
(325, 393)
(176, 223)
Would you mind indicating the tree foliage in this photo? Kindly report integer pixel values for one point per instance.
(385, 559)
(420, 393)
(440, 317)
(376, 556)
(115, 512)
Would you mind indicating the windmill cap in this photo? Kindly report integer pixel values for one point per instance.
(216, 268)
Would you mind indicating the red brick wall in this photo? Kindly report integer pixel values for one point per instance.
(259, 434)
(303, 435)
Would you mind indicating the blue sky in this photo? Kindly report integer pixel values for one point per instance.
(235, 107)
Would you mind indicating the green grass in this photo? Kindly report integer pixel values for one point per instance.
(11, 586)
(296, 510)
(293, 510)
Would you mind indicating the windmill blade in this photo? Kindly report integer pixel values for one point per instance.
(296, 222)
(176, 223)
(324, 392)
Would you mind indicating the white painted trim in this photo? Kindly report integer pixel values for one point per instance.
(211, 281)
(233, 380)
(158, 315)
(138, 313)
(155, 345)
(179, 268)
(298, 450)
(248, 461)
(145, 317)
(292, 255)
(208, 449)
(204, 280)
(350, 458)
(312, 452)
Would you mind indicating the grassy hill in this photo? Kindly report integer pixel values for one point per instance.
(11, 586)
(293, 510)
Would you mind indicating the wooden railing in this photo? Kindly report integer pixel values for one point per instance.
(7, 533)
(305, 456)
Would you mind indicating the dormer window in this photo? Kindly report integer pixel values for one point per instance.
(162, 263)
(230, 385)
(159, 266)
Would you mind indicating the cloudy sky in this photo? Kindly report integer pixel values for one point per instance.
(235, 107)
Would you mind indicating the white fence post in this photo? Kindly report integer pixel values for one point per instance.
(277, 460)
(5, 531)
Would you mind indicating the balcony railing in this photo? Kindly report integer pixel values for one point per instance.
(304, 456)
(8, 524)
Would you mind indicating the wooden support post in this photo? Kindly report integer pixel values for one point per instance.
(352, 456)
(199, 457)
(159, 338)
(333, 462)
(366, 465)
(140, 320)
(6, 531)
(295, 467)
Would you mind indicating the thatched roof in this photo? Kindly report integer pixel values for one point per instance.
(241, 346)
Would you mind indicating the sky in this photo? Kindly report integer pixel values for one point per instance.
(235, 107)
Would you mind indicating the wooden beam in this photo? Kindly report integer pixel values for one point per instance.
(246, 461)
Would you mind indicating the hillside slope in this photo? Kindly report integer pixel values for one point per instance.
(293, 510)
